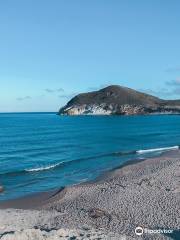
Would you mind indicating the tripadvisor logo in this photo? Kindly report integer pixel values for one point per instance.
(139, 231)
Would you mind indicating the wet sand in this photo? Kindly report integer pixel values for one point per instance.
(145, 194)
(32, 201)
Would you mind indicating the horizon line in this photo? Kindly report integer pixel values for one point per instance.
(30, 112)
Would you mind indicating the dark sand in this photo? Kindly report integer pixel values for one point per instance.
(32, 201)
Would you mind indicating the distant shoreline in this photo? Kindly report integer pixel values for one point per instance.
(94, 115)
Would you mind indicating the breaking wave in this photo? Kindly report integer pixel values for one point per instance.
(74, 161)
(157, 150)
(42, 168)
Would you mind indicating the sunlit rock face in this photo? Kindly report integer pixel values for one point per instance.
(119, 101)
(103, 109)
(87, 110)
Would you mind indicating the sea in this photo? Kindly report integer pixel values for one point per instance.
(44, 151)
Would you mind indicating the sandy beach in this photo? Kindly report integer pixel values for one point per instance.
(144, 194)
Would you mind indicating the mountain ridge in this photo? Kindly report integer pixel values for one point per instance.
(118, 100)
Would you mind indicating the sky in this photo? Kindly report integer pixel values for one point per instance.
(53, 50)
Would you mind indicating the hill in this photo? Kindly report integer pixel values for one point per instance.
(118, 100)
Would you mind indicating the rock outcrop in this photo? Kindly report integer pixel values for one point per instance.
(119, 101)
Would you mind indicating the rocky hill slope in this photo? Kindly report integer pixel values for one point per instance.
(118, 100)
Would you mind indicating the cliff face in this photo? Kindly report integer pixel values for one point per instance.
(118, 100)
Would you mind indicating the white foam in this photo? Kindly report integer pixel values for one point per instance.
(157, 149)
(43, 168)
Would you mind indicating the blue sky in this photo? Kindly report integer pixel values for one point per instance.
(51, 50)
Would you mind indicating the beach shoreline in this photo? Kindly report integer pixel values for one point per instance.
(144, 193)
(35, 200)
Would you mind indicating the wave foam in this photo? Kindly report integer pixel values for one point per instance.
(48, 167)
(43, 168)
(157, 149)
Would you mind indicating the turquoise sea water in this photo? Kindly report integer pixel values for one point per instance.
(39, 152)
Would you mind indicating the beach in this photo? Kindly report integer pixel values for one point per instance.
(143, 194)
(89, 120)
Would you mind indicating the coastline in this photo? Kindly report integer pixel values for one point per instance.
(143, 193)
(36, 200)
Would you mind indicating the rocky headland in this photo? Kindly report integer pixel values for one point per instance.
(119, 100)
